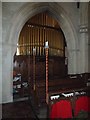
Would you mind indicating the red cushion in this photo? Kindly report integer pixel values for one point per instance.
(82, 103)
(61, 109)
(89, 104)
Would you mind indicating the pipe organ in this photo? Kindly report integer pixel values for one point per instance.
(36, 32)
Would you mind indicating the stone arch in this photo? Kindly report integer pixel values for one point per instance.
(29, 10)
(15, 25)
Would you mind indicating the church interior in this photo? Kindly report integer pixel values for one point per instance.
(45, 60)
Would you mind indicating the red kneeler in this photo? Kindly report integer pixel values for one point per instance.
(61, 109)
(82, 103)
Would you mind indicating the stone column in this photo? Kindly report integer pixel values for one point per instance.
(72, 66)
(0, 77)
(7, 73)
(83, 49)
(0, 60)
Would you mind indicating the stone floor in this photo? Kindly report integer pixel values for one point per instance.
(23, 109)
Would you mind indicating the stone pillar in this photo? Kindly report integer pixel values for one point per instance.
(0, 60)
(7, 73)
(83, 49)
(72, 66)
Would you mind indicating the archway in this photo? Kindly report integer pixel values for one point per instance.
(26, 12)
(60, 16)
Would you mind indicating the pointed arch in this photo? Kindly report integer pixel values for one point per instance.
(57, 12)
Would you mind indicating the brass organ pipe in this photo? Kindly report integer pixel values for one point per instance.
(48, 32)
(43, 18)
(60, 44)
(50, 22)
(54, 43)
(63, 49)
(31, 41)
(51, 43)
(21, 42)
(47, 35)
(36, 39)
(57, 39)
(20, 39)
(23, 51)
(26, 34)
(38, 42)
(50, 40)
(33, 36)
(28, 40)
(25, 41)
(43, 41)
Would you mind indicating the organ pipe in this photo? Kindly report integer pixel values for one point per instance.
(36, 32)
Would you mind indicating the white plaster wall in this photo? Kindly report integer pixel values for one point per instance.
(14, 17)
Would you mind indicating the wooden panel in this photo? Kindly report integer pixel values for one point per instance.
(24, 67)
